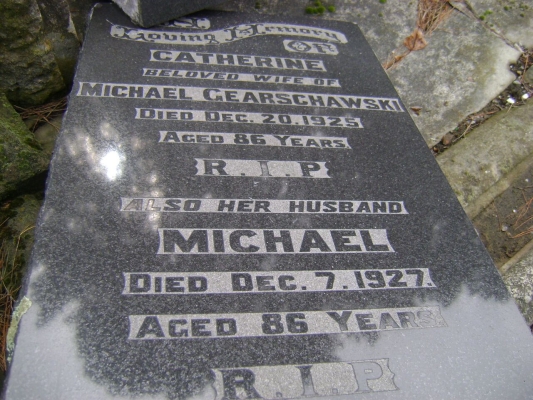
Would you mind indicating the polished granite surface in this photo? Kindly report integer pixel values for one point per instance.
(240, 206)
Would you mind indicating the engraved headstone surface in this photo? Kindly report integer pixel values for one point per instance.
(248, 211)
(148, 13)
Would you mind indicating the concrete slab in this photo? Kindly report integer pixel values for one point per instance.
(385, 26)
(489, 153)
(519, 281)
(463, 67)
(512, 19)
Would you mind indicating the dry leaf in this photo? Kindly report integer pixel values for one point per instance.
(415, 41)
(416, 110)
(393, 60)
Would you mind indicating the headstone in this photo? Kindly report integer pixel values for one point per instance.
(148, 13)
(248, 211)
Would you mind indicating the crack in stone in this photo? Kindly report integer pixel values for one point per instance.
(466, 8)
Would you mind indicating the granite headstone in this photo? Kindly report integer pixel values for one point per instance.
(148, 13)
(248, 211)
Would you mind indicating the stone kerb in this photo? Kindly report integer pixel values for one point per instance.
(487, 155)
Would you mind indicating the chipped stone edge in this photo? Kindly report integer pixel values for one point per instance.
(21, 309)
(131, 8)
(516, 258)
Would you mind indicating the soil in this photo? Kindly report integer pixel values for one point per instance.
(506, 225)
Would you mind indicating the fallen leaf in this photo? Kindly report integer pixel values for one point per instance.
(415, 41)
(447, 139)
(416, 110)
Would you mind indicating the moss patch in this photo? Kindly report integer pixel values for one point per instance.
(318, 8)
(21, 156)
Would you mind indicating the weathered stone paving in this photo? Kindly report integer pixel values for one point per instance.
(512, 20)
(488, 154)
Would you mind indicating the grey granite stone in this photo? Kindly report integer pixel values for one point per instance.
(210, 232)
(153, 12)
(519, 281)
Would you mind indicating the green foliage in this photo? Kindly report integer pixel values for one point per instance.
(485, 15)
(382, 1)
(319, 8)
